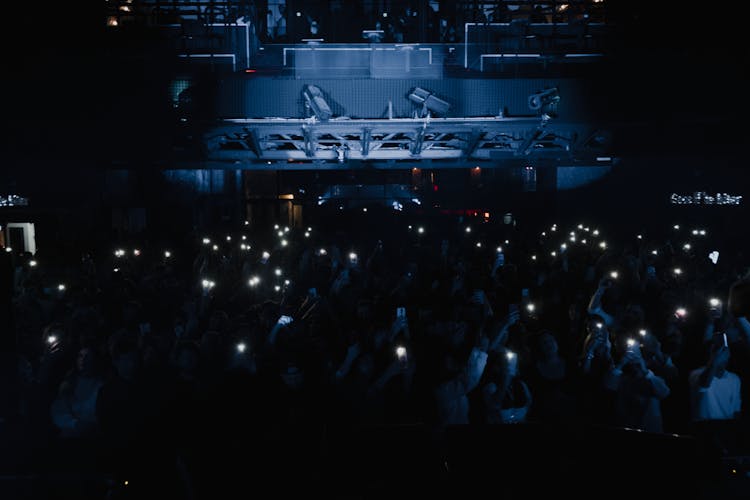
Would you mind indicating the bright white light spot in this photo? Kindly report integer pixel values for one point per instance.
(241, 347)
(51, 339)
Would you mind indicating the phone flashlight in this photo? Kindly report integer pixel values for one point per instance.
(284, 243)
(714, 302)
(510, 355)
(52, 339)
(530, 307)
(602, 244)
(254, 281)
(229, 238)
(642, 332)
(136, 252)
(322, 251)
(401, 353)
(353, 257)
(32, 263)
(681, 312)
(277, 271)
(307, 234)
(613, 275)
(677, 271)
(420, 230)
(61, 287)
(215, 247)
(479, 244)
(206, 241)
(630, 343)
(468, 229)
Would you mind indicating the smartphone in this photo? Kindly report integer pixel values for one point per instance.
(632, 344)
(725, 339)
(400, 312)
(401, 354)
(512, 362)
(284, 320)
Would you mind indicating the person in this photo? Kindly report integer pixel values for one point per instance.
(550, 381)
(451, 394)
(506, 396)
(74, 409)
(716, 400)
(638, 391)
(714, 390)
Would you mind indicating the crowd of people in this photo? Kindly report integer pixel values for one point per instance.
(272, 333)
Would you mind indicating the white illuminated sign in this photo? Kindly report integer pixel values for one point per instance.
(703, 198)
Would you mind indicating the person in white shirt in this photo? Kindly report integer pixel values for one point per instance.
(714, 390)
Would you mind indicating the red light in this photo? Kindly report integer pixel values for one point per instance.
(249, 70)
(434, 187)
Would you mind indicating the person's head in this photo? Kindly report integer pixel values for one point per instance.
(292, 374)
(365, 365)
(547, 345)
(86, 361)
(187, 356)
(126, 359)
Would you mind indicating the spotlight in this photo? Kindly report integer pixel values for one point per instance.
(314, 98)
(428, 101)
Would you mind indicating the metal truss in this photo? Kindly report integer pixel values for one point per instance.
(341, 140)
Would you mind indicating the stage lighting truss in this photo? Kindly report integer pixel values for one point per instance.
(337, 141)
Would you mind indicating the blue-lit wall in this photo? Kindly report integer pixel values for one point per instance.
(244, 97)
(576, 177)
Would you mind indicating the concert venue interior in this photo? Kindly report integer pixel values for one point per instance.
(374, 249)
